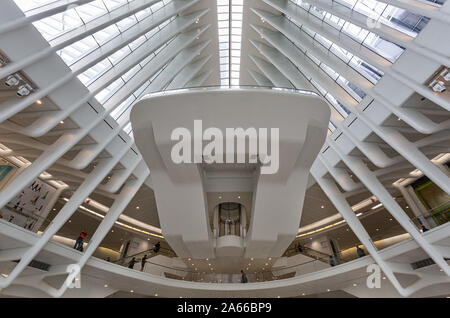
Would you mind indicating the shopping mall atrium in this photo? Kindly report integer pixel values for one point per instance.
(224, 148)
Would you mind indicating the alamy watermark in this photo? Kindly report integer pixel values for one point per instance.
(373, 23)
(374, 279)
(73, 280)
(213, 152)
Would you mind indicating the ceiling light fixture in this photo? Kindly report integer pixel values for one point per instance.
(376, 206)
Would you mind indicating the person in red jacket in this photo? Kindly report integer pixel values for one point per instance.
(79, 242)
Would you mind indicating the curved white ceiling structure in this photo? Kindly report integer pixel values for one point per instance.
(71, 71)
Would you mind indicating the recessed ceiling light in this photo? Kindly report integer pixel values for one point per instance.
(220, 197)
(131, 291)
(39, 102)
(328, 290)
(156, 295)
(354, 285)
(322, 207)
(61, 122)
(106, 285)
(137, 208)
(384, 277)
(239, 196)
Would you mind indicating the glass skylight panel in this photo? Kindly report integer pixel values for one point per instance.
(89, 76)
(28, 5)
(364, 68)
(92, 11)
(70, 54)
(60, 23)
(229, 19)
(56, 25)
(384, 48)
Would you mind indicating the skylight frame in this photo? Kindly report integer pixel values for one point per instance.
(229, 21)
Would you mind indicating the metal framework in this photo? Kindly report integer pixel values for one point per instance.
(74, 121)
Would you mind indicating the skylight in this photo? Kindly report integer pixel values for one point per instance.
(57, 25)
(229, 15)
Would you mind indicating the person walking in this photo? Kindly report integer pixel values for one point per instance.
(157, 247)
(143, 261)
(243, 277)
(132, 262)
(331, 261)
(79, 242)
(360, 251)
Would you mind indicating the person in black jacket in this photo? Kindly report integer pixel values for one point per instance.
(157, 247)
(331, 261)
(243, 277)
(132, 262)
(143, 261)
(360, 251)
